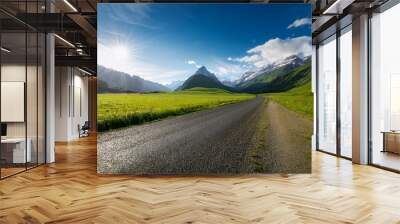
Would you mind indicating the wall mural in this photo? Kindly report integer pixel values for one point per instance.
(204, 89)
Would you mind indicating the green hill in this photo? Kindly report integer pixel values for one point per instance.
(299, 99)
(203, 90)
(279, 80)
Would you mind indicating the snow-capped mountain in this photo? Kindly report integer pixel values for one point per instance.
(245, 77)
(292, 61)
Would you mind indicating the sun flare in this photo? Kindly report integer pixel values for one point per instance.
(121, 52)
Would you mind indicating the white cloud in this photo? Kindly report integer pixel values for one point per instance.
(300, 22)
(277, 49)
(228, 71)
(230, 59)
(222, 69)
(191, 62)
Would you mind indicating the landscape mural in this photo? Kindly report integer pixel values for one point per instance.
(204, 89)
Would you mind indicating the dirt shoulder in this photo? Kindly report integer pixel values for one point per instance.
(282, 143)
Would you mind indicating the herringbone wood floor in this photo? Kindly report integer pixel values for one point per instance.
(70, 191)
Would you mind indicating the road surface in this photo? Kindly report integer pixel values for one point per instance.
(212, 142)
(205, 142)
(282, 142)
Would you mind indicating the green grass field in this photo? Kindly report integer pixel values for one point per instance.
(116, 110)
(299, 99)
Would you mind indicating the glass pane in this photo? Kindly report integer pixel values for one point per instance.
(31, 98)
(327, 96)
(14, 153)
(41, 98)
(31, 88)
(385, 93)
(346, 93)
(23, 90)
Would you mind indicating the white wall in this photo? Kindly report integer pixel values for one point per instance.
(79, 117)
(70, 83)
(62, 82)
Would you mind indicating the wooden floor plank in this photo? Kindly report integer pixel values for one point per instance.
(70, 191)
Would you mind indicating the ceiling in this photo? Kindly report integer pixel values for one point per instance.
(75, 22)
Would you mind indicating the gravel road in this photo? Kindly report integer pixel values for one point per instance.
(201, 143)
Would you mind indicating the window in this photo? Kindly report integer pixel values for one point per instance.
(346, 92)
(327, 95)
(385, 89)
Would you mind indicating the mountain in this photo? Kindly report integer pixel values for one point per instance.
(115, 81)
(174, 85)
(280, 79)
(203, 71)
(229, 83)
(203, 78)
(245, 77)
(102, 87)
(289, 63)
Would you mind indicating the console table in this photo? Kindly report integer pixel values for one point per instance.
(391, 141)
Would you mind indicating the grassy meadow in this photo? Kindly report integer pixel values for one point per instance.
(299, 99)
(116, 110)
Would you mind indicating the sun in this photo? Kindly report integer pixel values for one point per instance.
(121, 52)
(117, 55)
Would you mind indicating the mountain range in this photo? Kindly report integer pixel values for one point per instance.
(291, 62)
(280, 76)
(110, 80)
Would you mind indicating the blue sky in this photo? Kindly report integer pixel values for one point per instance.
(167, 42)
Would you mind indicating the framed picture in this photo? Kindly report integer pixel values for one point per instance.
(204, 89)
